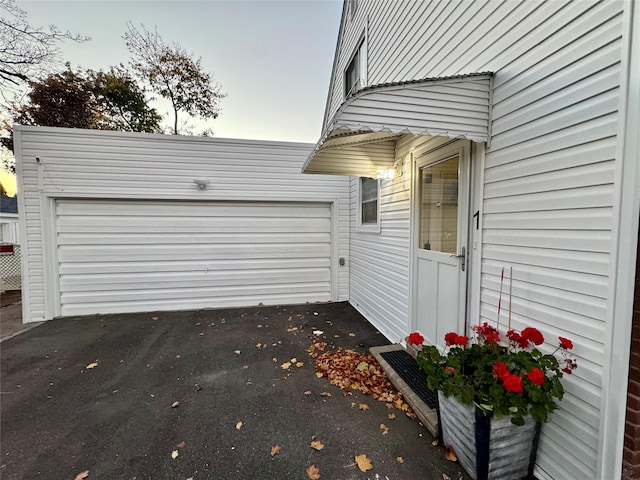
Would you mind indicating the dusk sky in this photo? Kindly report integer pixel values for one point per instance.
(272, 58)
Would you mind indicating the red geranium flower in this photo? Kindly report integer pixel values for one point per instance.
(449, 370)
(512, 383)
(501, 369)
(536, 376)
(461, 340)
(533, 335)
(565, 343)
(450, 338)
(415, 339)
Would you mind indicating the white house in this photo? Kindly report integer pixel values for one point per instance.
(499, 135)
(9, 244)
(460, 138)
(124, 222)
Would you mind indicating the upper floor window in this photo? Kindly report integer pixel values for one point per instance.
(355, 75)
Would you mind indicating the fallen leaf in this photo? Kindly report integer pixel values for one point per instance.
(82, 475)
(363, 406)
(362, 366)
(294, 360)
(352, 334)
(318, 332)
(237, 352)
(275, 360)
(319, 374)
(317, 444)
(391, 416)
(92, 365)
(285, 365)
(313, 472)
(275, 450)
(244, 367)
(174, 454)
(384, 429)
(292, 329)
(299, 364)
(450, 454)
(364, 463)
(182, 445)
(154, 318)
(175, 404)
(445, 477)
(258, 345)
(435, 443)
(325, 394)
(307, 393)
(238, 425)
(399, 459)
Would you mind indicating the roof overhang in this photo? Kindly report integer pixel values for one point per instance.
(360, 138)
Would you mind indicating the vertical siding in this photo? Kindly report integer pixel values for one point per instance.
(549, 176)
(103, 165)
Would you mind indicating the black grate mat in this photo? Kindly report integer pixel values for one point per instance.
(405, 366)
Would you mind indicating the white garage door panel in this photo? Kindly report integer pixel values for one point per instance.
(127, 256)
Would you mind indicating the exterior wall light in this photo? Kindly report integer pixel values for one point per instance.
(202, 183)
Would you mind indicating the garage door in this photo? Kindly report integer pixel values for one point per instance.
(134, 256)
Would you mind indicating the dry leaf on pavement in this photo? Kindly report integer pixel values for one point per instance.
(92, 365)
(174, 454)
(391, 416)
(450, 454)
(363, 406)
(175, 404)
(317, 444)
(384, 429)
(82, 475)
(238, 425)
(182, 444)
(237, 352)
(313, 472)
(399, 459)
(275, 450)
(364, 463)
(285, 365)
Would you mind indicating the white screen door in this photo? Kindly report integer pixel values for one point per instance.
(441, 215)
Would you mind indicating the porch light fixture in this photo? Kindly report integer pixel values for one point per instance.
(387, 173)
(201, 183)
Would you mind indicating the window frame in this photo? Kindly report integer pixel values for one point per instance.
(358, 62)
(371, 227)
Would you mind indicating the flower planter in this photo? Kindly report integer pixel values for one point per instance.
(487, 448)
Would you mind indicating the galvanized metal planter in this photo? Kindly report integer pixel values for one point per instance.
(487, 448)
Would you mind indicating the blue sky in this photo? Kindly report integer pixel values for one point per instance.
(272, 58)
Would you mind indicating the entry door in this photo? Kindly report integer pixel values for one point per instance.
(441, 212)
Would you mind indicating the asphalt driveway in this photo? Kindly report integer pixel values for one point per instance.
(96, 393)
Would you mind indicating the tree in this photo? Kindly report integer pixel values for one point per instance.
(26, 52)
(97, 100)
(120, 102)
(173, 74)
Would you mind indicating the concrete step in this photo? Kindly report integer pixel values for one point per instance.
(427, 415)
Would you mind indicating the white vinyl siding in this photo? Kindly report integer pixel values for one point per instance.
(83, 165)
(127, 256)
(549, 191)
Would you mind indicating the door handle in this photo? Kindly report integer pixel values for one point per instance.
(462, 256)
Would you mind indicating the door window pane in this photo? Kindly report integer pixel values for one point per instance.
(439, 206)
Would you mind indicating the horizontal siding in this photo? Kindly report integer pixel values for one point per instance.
(228, 262)
(80, 164)
(379, 270)
(549, 178)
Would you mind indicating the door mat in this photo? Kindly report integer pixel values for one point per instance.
(407, 368)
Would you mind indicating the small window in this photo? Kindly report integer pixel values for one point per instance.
(353, 6)
(355, 75)
(369, 204)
